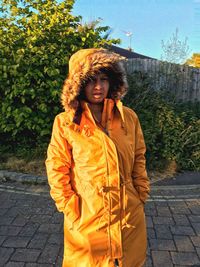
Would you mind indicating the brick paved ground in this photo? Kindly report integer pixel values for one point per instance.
(173, 221)
(31, 228)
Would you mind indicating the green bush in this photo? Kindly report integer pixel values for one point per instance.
(171, 133)
(36, 41)
(189, 156)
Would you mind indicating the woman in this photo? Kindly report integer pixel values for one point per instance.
(96, 166)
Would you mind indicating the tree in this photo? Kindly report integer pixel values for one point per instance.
(175, 50)
(37, 37)
(194, 61)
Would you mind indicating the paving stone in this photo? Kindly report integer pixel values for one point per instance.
(162, 244)
(48, 206)
(56, 239)
(40, 265)
(179, 208)
(163, 232)
(16, 242)
(3, 211)
(28, 255)
(26, 205)
(161, 258)
(28, 210)
(149, 222)
(183, 243)
(9, 230)
(23, 200)
(41, 218)
(148, 249)
(57, 217)
(150, 209)
(148, 262)
(21, 220)
(196, 227)
(164, 211)
(4, 196)
(182, 230)
(5, 254)
(181, 219)
(60, 257)
(49, 254)
(50, 228)
(166, 193)
(2, 238)
(194, 207)
(161, 204)
(151, 233)
(7, 204)
(39, 202)
(40, 236)
(198, 252)
(15, 264)
(38, 241)
(44, 210)
(194, 218)
(29, 229)
(13, 212)
(195, 240)
(184, 258)
(163, 220)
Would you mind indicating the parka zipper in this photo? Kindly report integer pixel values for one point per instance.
(105, 191)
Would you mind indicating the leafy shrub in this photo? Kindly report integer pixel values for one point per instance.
(189, 156)
(170, 133)
(36, 41)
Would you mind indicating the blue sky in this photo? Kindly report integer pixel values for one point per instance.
(149, 21)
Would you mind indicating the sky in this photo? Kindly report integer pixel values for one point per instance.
(148, 21)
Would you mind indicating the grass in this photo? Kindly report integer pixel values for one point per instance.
(168, 170)
(36, 167)
(24, 160)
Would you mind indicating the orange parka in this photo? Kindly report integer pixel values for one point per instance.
(98, 180)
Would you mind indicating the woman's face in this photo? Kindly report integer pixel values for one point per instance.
(97, 89)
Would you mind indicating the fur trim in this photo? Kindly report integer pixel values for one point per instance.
(86, 63)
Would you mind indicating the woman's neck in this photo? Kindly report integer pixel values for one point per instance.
(96, 110)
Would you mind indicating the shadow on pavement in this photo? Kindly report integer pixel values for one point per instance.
(183, 178)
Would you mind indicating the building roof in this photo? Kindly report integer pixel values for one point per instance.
(127, 53)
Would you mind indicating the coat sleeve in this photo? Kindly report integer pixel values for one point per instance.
(58, 164)
(139, 173)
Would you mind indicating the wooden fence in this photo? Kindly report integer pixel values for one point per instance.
(181, 80)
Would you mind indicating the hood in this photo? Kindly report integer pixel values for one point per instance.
(86, 63)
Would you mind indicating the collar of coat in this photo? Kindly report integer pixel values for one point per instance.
(87, 123)
(107, 109)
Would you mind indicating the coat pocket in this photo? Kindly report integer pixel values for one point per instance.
(72, 210)
(136, 193)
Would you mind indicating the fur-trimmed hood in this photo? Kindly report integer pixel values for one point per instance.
(86, 63)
